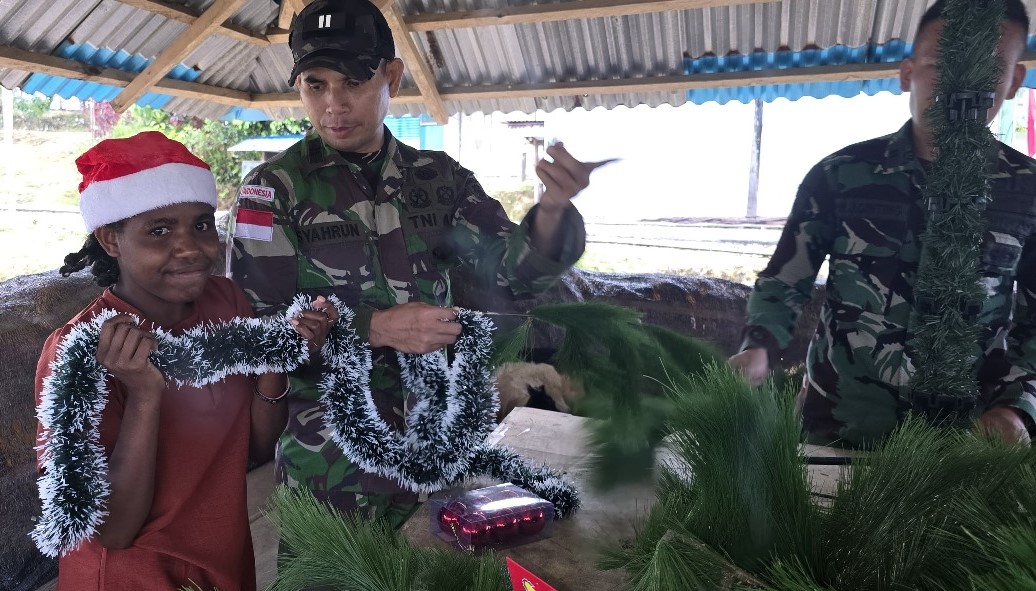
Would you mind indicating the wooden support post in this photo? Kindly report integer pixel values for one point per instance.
(196, 33)
(753, 171)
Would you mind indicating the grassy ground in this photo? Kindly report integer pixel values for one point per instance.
(40, 223)
(642, 259)
(39, 168)
(39, 177)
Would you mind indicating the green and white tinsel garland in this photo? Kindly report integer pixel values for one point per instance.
(443, 445)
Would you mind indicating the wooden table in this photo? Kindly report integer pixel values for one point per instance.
(568, 559)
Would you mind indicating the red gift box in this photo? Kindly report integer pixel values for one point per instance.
(492, 517)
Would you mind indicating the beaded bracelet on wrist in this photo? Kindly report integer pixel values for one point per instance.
(274, 399)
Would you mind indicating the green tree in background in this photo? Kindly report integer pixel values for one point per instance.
(33, 112)
(30, 107)
(208, 139)
(516, 202)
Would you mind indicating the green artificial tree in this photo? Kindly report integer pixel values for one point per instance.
(948, 296)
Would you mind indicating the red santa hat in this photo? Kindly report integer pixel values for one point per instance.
(126, 177)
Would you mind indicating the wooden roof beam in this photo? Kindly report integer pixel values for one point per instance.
(677, 83)
(196, 33)
(289, 8)
(52, 65)
(180, 13)
(538, 13)
(415, 62)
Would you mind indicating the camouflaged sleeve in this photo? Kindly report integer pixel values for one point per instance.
(1018, 384)
(500, 254)
(786, 284)
(262, 246)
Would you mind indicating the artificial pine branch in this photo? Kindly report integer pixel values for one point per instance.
(508, 345)
(895, 507)
(738, 486)
(742, 446)
(624, 366)
(931, 509)
(1015, 555)
(334, 551)
(947, 294)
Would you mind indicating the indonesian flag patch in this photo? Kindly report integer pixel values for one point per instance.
(523, 580)
(253, 224)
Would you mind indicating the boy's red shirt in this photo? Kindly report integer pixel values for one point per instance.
(197, 531)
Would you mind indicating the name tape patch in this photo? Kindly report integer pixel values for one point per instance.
(258, 192)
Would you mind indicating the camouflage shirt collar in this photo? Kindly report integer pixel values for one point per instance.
(900, 155)
(317, 154)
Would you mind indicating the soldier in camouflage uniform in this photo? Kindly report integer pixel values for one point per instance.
(862, 208)
(350, 211)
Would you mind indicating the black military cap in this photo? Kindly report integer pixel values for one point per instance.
(348, 36)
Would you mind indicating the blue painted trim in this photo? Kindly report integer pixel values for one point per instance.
(102, 57)
(892, 52)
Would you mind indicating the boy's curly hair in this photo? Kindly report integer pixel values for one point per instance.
(103, 266)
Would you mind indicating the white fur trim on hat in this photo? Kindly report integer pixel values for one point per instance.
(105, 202)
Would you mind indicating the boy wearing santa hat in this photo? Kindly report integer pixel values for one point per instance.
(177, 456)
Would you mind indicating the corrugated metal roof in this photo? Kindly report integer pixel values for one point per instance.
(621, 47)
(103, 57)
(892, 52)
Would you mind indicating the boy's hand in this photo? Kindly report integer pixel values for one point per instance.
(314, 325)
(123, 349)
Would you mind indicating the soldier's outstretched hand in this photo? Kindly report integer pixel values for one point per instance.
(563, 178)
(414, 327)
(1005, 423)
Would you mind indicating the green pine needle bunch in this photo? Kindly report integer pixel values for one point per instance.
(931, 509)
(329, 550)
(624, 367)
